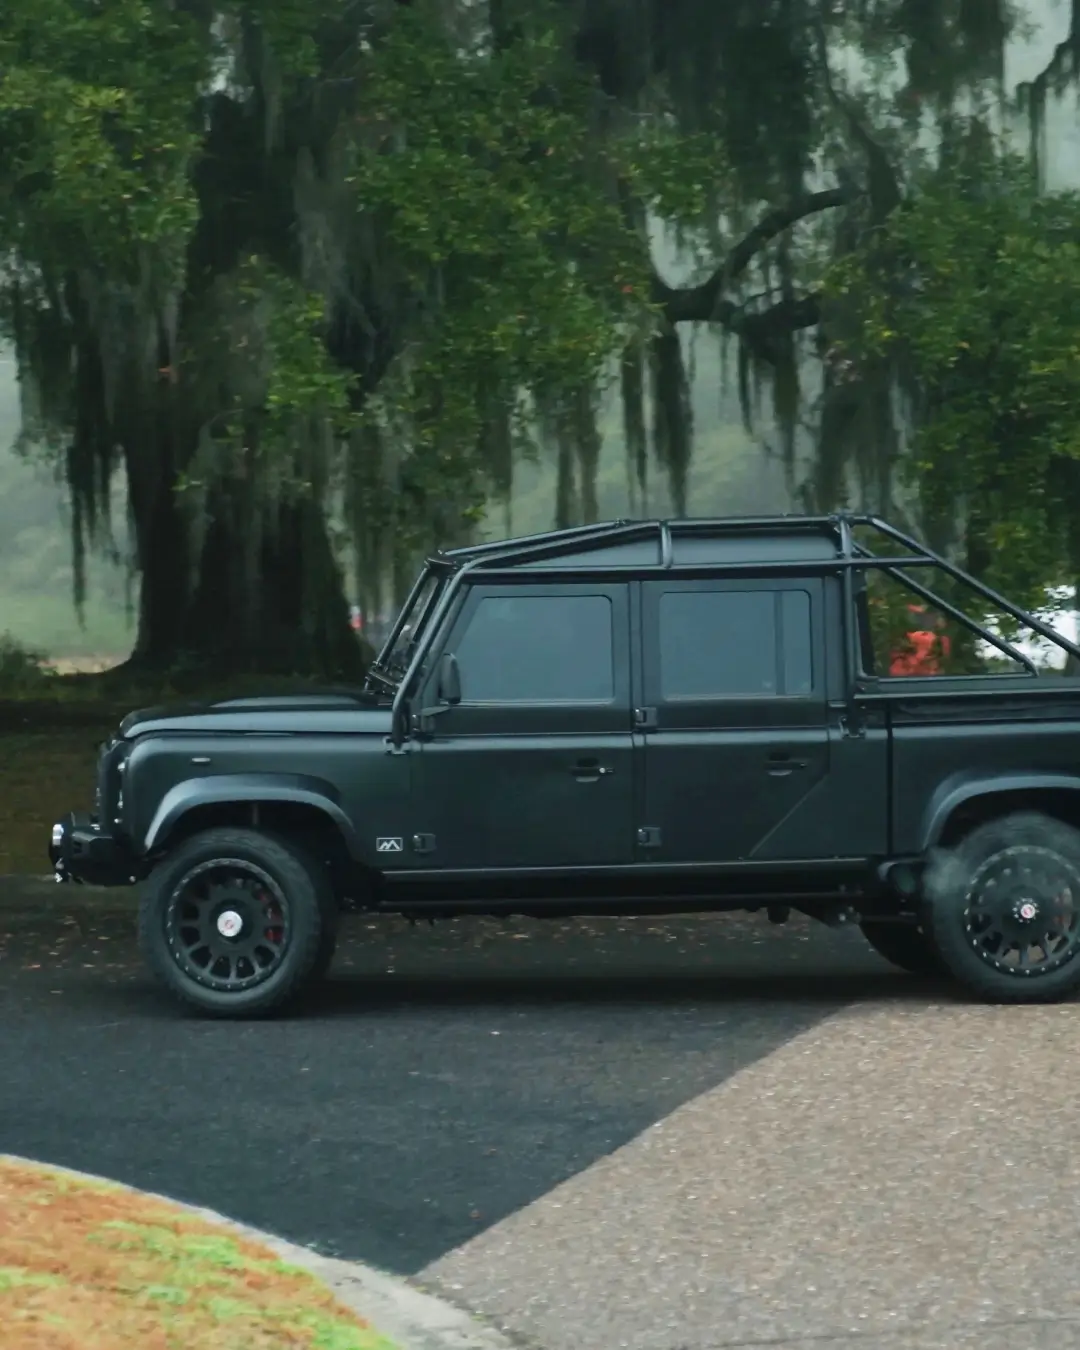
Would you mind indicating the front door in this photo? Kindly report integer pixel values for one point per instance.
(533, 768)
(735, 721)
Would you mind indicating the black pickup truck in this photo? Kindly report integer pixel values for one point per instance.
(641, 717)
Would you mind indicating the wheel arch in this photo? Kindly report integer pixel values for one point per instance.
(296, 807)
(960, 806)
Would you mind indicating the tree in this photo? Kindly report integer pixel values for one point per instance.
(973, 292)
(243, 285)
(267, 255)
(127, 253)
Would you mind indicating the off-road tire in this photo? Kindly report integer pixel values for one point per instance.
(905, 946)
(952, 882)
(313, 915)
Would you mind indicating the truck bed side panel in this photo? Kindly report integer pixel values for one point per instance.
(942, 747)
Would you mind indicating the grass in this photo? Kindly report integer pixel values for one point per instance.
(50, 731)
(43, 774)
(86, 1265)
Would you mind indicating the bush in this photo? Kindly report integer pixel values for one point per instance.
(22, 670)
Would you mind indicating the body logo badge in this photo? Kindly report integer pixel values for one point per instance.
(389, 844)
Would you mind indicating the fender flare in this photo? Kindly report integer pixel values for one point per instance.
(957, 791)
(230, 788)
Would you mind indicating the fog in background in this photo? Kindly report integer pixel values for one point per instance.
(733, 471)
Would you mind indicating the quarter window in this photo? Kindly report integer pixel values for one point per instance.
(538, 649)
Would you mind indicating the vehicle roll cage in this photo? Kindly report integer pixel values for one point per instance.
(502, 561)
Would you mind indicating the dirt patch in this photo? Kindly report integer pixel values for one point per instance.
(90, 1266)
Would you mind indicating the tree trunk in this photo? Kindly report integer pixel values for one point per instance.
(151, 439)
(275, 602)
(264, 597)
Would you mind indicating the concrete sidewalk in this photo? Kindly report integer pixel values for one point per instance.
(906, 1178)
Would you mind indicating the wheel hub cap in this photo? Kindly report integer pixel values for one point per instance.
(230, 924)
(1027, 911)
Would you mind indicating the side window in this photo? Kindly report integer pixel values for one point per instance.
(732, 644)
(903, 636)
(538, 649)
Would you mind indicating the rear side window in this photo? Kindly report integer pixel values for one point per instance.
(538, 649)
(732, 644)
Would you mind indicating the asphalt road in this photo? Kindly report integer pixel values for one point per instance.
(444, 1080)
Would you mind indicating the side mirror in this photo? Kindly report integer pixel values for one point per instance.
(448, 684)
(447, 693)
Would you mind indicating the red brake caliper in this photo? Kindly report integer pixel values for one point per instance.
(275, 929)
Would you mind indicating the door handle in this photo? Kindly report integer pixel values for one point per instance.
(590, 770)
(781, 764)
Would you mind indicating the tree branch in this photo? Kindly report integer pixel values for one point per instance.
(761, 327)
(705, 303)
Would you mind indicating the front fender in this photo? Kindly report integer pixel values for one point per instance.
(960, 789)
(229, 788)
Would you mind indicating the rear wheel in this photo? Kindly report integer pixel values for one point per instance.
(905, 946)
(237, 923)
(1003, 910)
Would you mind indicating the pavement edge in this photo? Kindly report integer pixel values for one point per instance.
(407, 1314)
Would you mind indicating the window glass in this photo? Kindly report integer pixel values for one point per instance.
(905, 636)
(538, 649)
(398, 657)
(797, 664)
(731, 644)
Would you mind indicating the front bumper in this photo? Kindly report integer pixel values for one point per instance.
(81, 851)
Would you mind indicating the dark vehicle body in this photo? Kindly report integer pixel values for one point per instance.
(640, 717)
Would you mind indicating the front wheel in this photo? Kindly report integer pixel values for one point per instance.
(1003, 910)
(237, 923)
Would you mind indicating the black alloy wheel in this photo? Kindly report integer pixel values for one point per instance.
(1023, 916)
(227, 925)
(238, 923)
(1005, 917)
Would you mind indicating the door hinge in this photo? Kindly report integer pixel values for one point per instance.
(645, 717)
(423, 843)
(852, 727)
(648, 837)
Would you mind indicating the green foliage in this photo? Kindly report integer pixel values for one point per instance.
(97, 124)
(386, 245)
(482, 169)
(678, 175)
(283, 397)
(973, 290)
(22, 671)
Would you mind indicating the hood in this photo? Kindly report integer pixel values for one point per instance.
(326, 711)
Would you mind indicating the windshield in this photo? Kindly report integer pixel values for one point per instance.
(393, 661)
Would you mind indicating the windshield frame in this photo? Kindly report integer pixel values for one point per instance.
(393, 661)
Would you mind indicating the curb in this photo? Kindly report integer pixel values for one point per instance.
(403, 1312)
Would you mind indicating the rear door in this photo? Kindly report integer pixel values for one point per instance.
(734, 720)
